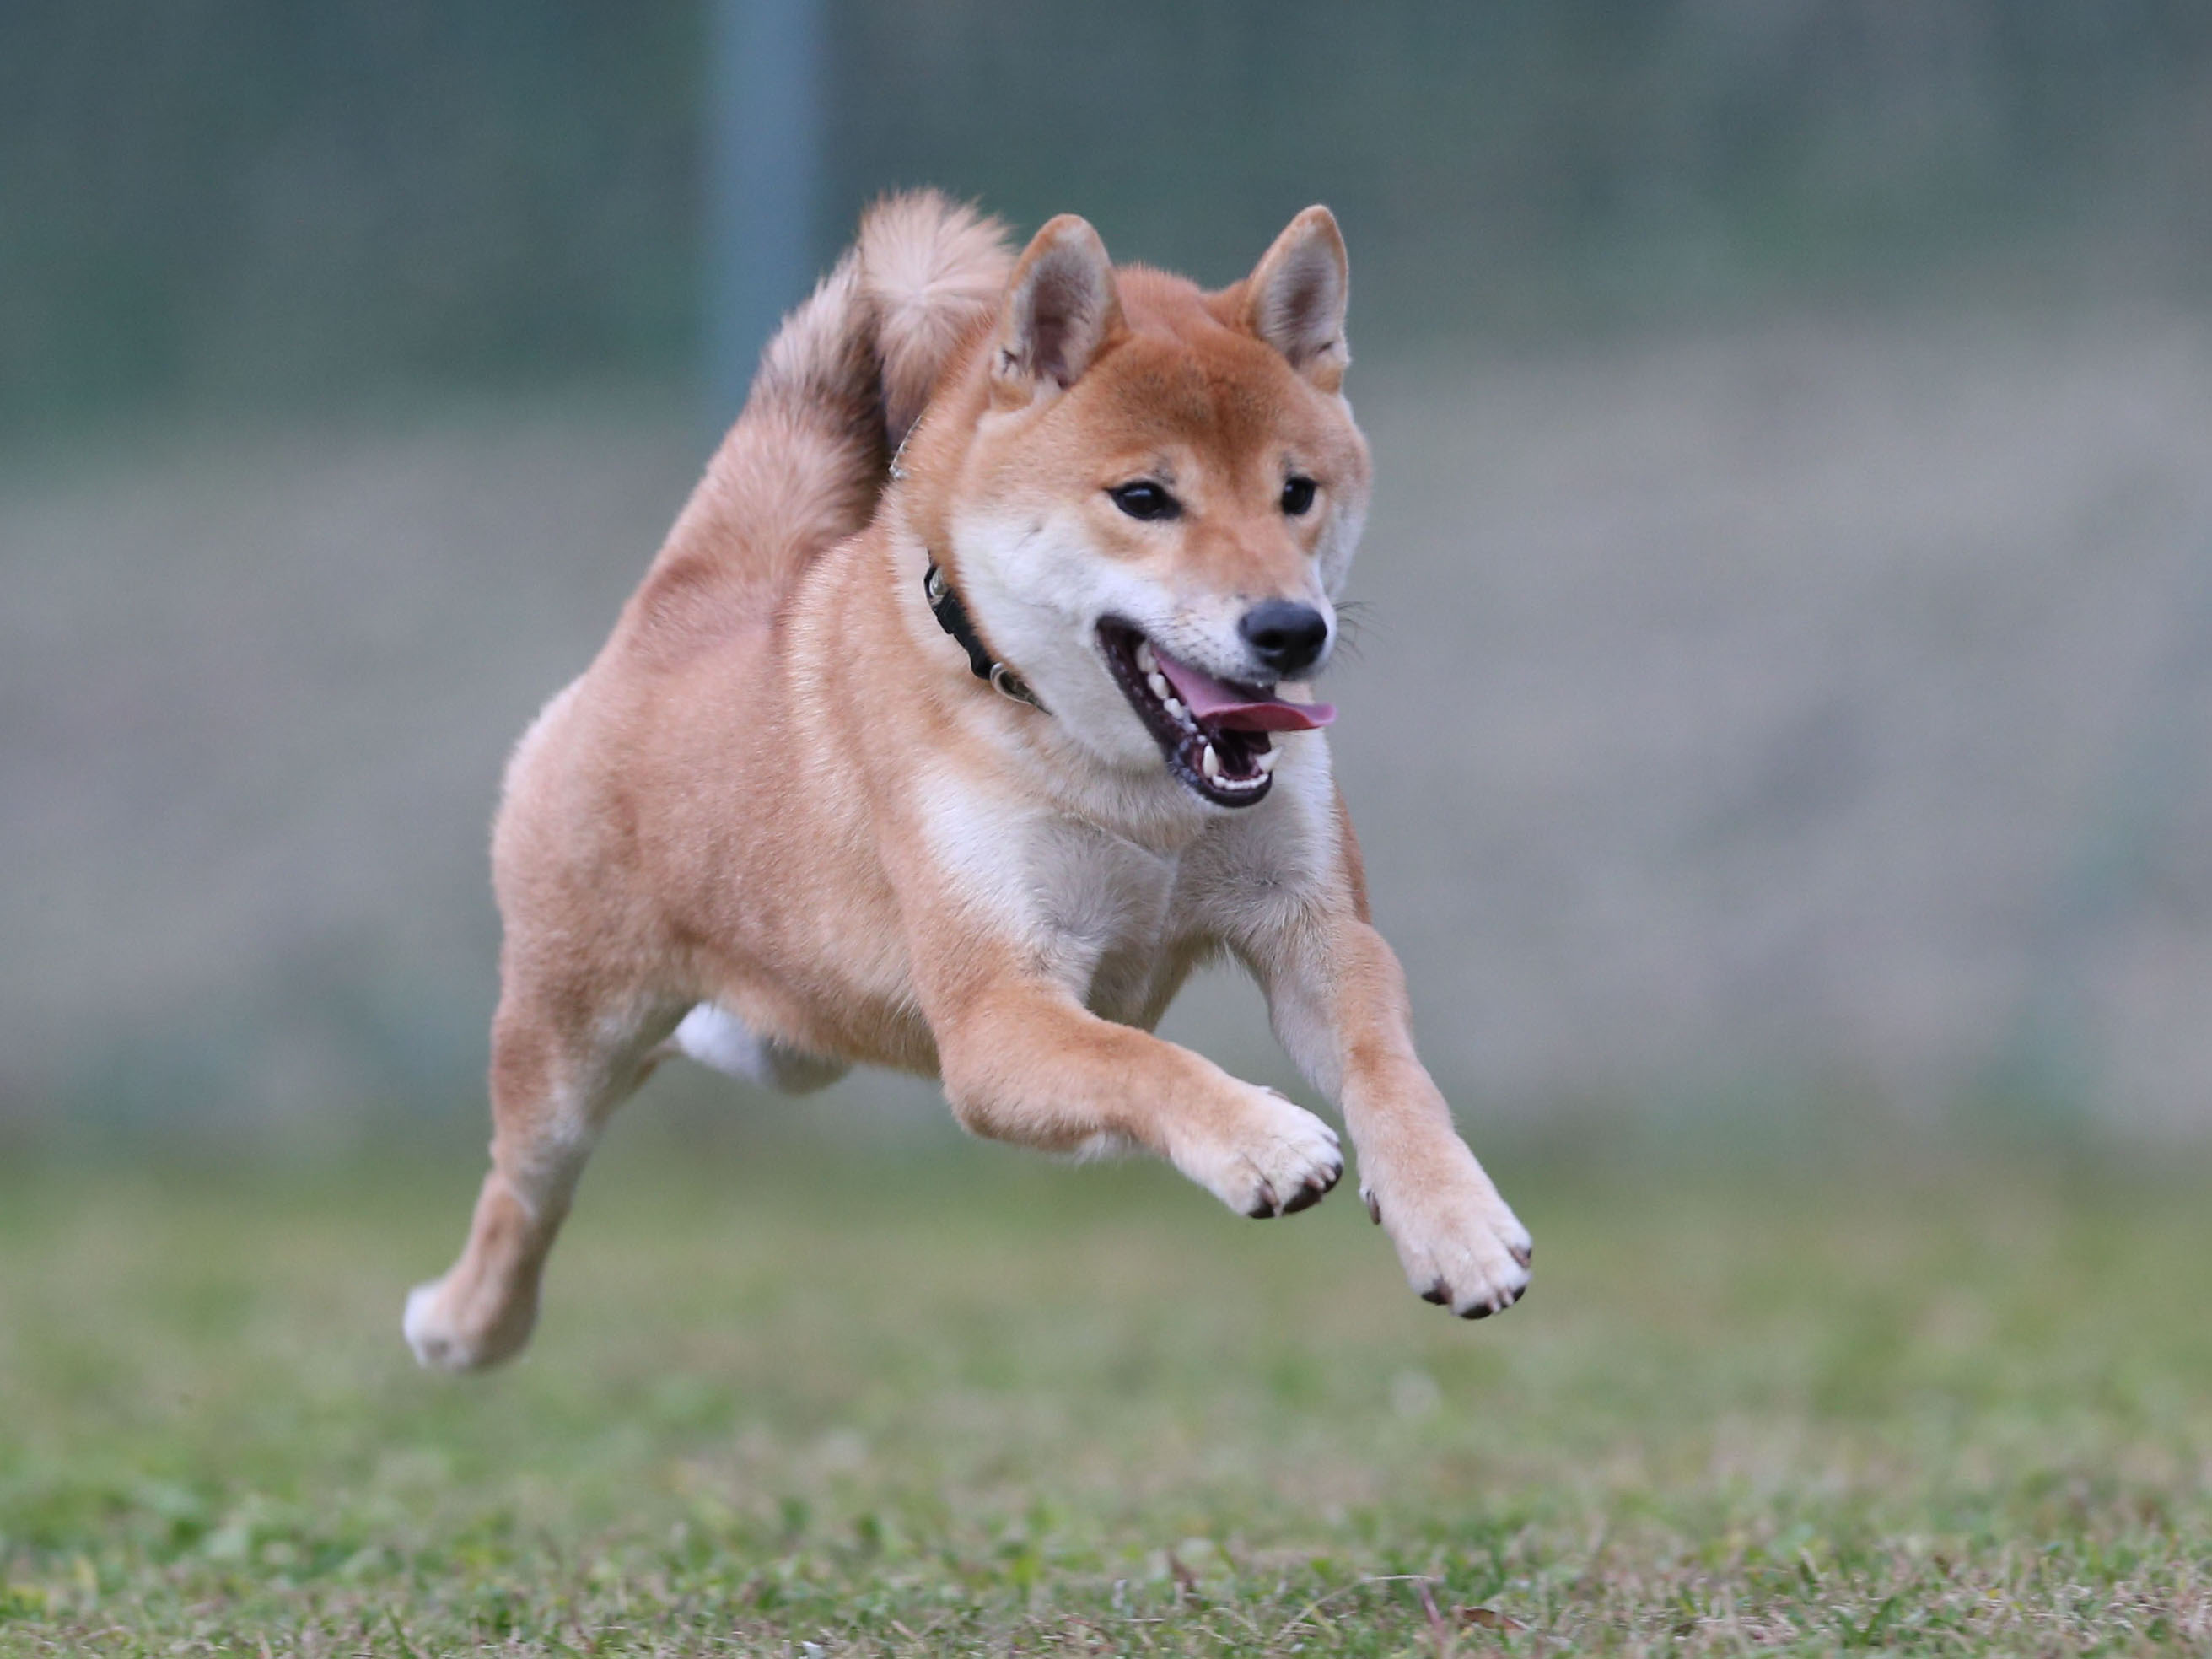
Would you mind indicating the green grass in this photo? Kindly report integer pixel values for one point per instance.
(963, 1400)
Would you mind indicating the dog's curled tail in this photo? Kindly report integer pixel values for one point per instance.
(863, 355)
(933, 269)
(845, 378)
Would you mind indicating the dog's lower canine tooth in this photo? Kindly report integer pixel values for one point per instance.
(1265, 759)
(1210, 762)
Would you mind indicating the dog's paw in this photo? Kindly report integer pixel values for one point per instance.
(445, 1340)
(715, 1036)
(1277, 1159)
(1460, 1242)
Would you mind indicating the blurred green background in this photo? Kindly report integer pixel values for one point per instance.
(1778, 713)
(1785, 683)
(225, 203)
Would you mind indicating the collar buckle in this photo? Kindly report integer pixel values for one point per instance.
(952, 616)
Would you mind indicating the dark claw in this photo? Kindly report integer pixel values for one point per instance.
(1266, 1209)
(1439, 1293)
(1374, 1207)
(1312, 1193)
(1524, 1253)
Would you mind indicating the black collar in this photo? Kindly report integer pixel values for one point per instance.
(952, 616)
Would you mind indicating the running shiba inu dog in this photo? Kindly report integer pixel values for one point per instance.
(964, 712)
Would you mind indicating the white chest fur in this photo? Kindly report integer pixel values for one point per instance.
(1114, 918)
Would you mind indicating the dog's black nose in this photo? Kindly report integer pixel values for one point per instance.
(1287, 637)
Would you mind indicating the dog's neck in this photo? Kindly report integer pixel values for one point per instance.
(952, 616)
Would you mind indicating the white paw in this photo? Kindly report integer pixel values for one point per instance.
(1280, 1159)
(430, 1335)
(439, 1343)
(715, 1036)
(1460, 1242)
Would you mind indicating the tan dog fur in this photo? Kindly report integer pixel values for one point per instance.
(780, 826)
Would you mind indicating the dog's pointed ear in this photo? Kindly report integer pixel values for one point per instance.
(1295, 297)
(1061, 309)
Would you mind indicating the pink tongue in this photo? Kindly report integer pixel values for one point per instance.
(1225, 706)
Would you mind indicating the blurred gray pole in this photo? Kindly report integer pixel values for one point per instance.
(763, 175)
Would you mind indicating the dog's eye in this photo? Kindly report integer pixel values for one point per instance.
(1299, 495)
(1146, 500)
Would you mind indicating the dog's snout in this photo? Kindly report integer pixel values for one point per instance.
(1287, 637)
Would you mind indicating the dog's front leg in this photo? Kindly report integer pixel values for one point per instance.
(1337, 997)
(1024, 1061)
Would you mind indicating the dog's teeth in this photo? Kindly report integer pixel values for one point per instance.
(1159, 682)
(1210, 763)
(1265, 759)
(1145, 661)
(1175, 710)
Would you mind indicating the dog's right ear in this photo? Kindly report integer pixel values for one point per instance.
(1061, 309)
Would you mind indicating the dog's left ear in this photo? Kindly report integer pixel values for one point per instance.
(1295, 297)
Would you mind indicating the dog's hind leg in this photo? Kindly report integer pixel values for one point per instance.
(561, 1064)
(715, 1037)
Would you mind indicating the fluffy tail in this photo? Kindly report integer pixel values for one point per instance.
(932, 270)
(837, 389)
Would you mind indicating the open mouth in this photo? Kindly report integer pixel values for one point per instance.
(1213, 733)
